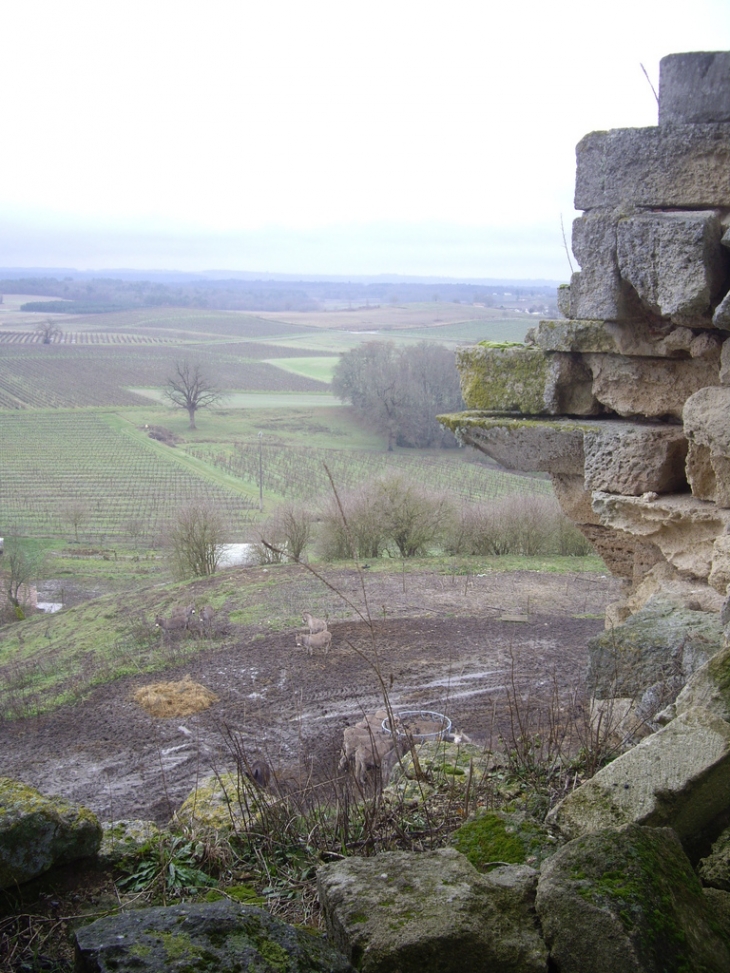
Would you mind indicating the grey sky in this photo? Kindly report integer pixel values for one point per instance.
(405, 136)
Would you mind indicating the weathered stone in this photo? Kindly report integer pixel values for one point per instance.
(616, 547)
(522, 444)
(719, 903)
(709, 687)
(600, 291)
(431, 913)
(636, 339)
(627, 900)
(719, 577)
(563, 300)
(706, 418)
(504, 838)
(574, 499)
(659, 643)
(653, 387)
(675, 262)
(443, 763)
(38, 832)
(678, 777)
(721, 317)
(223, 936)
(224, 802)
(124, 838)
(673, 166)
(694, 88)
(497, 378)
(684, 529)
(725, 363)
(664, 581)
(634, 459)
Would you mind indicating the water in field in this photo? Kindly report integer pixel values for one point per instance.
(235, 555)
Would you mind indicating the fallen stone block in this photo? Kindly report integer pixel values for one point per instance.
(223, 936)
(38, 832)
(431, 912)
(678, 778)
(627, 899)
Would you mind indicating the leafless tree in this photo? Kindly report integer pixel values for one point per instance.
(49, 331)
(20, 568)
(190, 389)
(76, 514)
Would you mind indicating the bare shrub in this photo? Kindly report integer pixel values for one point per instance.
(289, 529)
(413, 519)
(196, 538)
(361, 534)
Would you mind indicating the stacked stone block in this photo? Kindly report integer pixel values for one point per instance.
(626, 401)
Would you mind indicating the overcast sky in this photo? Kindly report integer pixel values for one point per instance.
(317, 136)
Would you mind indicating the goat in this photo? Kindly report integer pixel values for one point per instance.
(180, 620)
(205, 620)
(321, 640)
(365, 747)
(315, 625)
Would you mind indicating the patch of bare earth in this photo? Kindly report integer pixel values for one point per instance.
(453, 644)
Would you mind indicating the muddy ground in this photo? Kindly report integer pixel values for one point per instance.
(451, 644)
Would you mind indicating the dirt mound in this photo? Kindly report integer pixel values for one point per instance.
(167, 699)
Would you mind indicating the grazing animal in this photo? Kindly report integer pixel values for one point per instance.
(314, 625)
(259, 772)
(366, 747)
(205, 617)
(321, 640)
(176, 623)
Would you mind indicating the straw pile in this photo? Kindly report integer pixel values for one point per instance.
(174, 698)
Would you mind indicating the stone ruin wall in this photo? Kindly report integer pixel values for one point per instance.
(625, 402)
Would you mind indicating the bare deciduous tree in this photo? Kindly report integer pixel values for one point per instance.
(20, 567)
(190, 389)
(48, 332)
(196, 538)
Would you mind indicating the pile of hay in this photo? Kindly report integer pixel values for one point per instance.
(174, 698)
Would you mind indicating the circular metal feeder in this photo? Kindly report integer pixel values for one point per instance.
(420, 724)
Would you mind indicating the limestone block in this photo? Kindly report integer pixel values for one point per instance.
(651, 387)
(616, 547)
(522, 379)
(694, 88)
(432, 912)
(683, 528)
(528, 445)
(706, 419)
(678, 777)
(636, 339)
(575, 501)
(223, 936)
(563, 300)
(662, 581)
(38, 832)
(124, 838)
(709, 687)
(634, 459)
(600, 292)
(714, 870)
(675, 262)
(627, 900)
(668, 167)
(661, 643)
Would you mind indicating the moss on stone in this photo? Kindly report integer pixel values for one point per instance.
(504, 378)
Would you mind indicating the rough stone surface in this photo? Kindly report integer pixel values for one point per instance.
(223, 936)
(709, 687)
(123, 838)
(694, 88)
(679, 778)
(634, 459)
(522, 444)
(627, 900)
(675, 262)
(637, 339)
(675, 166)
(719, 576)
(659, 644)
(725, 363)
(682, 528)
(430, 913)
(574, 498)
(656, 388)
(706, 418)
(599, 291)
(224, 802)
(38, 832)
